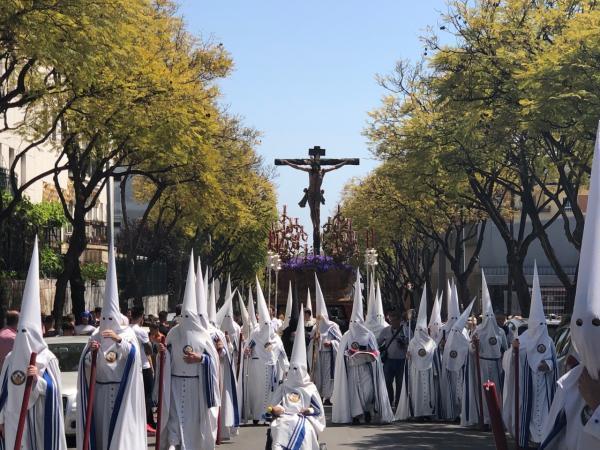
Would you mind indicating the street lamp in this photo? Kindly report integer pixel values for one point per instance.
(370, 262)
(273, 263)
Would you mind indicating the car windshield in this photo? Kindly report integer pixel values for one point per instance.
(68, 354)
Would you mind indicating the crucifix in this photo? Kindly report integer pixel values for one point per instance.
(313, 194)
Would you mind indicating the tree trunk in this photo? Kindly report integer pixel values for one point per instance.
(515, 261)
(72, 272)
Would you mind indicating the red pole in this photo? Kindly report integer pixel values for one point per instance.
(161, 384)
(495, 416)
(479, 383)
(90, 405)
(25, 404)
(517, 393)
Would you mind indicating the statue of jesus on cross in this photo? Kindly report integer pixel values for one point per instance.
(313, 194)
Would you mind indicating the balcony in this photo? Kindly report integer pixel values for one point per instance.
(95, 231)
(5, 179)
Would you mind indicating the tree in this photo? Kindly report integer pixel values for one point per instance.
(159, 107)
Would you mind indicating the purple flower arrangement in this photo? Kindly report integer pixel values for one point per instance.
(318, 263)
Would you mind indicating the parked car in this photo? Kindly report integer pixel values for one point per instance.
(68, 351)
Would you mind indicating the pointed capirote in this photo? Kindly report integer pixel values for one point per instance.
(378, 302)
(585, 320)
(357, 305)
(261, 305)
(320, 301)
(190, 304)
(308, 305)
(201, 300)
(435, 322)
(422, 315)
(461, 322)
(288, 308)
(297, 375)
(487, 310)
(32, 339)
(251, 309)
(111, 318)
(452, 302)
(212, 303)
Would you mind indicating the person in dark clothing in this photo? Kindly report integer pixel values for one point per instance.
(137, 318)
(393, 343)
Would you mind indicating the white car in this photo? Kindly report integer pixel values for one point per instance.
(68, 351)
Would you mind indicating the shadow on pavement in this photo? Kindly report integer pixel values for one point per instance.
(411, 436)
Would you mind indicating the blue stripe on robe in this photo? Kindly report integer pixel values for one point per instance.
(120, 393)
(208, 383)
(50, 413)
(559, 425)
(297, 438)
(236, 409)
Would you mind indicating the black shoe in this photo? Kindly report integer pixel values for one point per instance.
(255, 422)
(355, 421)
(367, 417)
(327, 402)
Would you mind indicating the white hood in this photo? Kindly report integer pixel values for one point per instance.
(201, 301)
(264, 318)
(309, 303)
(457, 342)
(585, 321)
(288, 309)
(452, 305)
(422, 346)
(29, 337)
(435, 322)
(190, 321)
(321, 313)
(375, 320)
(251, 309)
(360, 333)
(212, 304)
(111, 318)
(536, 340)
(298, 372)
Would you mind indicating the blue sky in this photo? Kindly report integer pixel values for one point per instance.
(305, 74)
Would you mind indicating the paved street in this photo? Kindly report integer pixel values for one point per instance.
(396, 436)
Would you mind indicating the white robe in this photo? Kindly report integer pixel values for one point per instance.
(44, 425)
(420, 384)
(491, 349)
(261, 373)
(536, 392)
(564, 428)
(293, 430)
(229, 413)
(190, 394)
(359, 388)
(119, 410)
(454, 360)
(324, 371)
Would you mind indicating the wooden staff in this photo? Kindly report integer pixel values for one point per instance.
(90, 404)
(25, 404)
(479, 384)
(161, 387)
(517, 392)
(495, 416)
